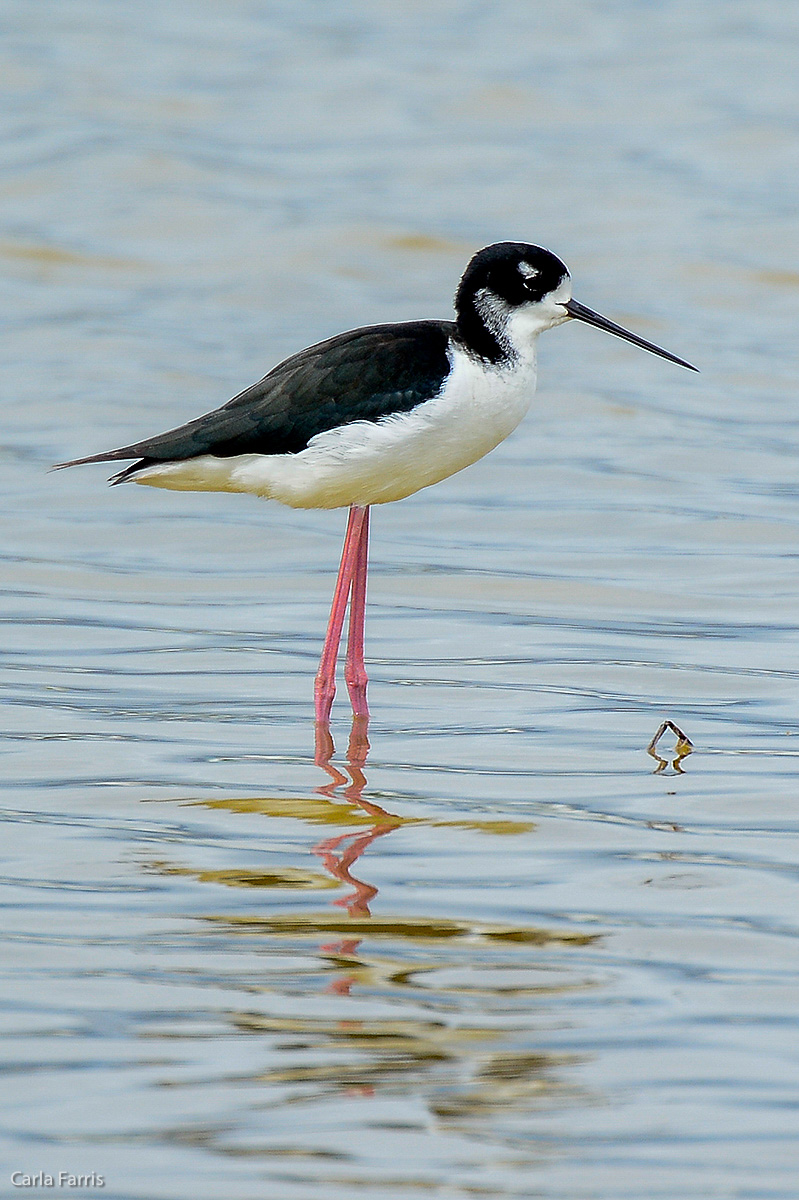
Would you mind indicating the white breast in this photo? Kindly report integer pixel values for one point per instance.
(370, 462)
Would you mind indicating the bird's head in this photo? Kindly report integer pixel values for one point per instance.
(511, 291)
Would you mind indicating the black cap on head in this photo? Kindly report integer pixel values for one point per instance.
(515, 271)
(517, 274)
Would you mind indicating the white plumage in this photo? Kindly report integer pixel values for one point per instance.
(375, 462)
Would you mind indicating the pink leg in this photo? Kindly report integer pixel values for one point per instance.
(354, 669)
(325, 685)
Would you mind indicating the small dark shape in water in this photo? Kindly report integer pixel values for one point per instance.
(681, 750)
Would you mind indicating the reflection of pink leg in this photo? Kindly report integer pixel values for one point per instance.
(354, 669)
(325, 685)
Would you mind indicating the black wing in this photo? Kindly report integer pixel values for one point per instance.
(358, 376)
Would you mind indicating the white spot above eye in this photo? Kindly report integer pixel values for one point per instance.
(528, 271)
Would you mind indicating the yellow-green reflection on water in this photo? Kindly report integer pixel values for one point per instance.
(420, 929)
(313, 811)
(292, 878)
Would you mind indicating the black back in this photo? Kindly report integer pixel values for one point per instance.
(362, 375)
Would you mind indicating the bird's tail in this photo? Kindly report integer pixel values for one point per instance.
(107, 456)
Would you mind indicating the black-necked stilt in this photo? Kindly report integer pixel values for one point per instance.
(374, 415)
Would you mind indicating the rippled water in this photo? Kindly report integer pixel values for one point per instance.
(509, 954)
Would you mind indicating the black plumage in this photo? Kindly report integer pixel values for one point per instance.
(362, 375)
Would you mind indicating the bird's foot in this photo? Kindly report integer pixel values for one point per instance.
(356, 680)
(324, 693)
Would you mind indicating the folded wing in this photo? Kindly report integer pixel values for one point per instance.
(363, 375)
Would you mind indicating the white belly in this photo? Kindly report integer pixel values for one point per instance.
(371, 462)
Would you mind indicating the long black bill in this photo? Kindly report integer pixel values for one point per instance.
(581, 313)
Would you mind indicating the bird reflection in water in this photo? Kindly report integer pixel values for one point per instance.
(496, 979)
(340, 853)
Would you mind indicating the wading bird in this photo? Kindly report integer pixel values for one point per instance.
(374, 415)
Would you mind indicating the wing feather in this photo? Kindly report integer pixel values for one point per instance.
(358, 376)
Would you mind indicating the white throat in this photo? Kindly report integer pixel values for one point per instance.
(517, 327)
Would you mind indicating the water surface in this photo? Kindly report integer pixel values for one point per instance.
(509, 954)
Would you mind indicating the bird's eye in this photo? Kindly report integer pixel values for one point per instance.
(530, 276)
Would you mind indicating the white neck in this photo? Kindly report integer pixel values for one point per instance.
(516, 328)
